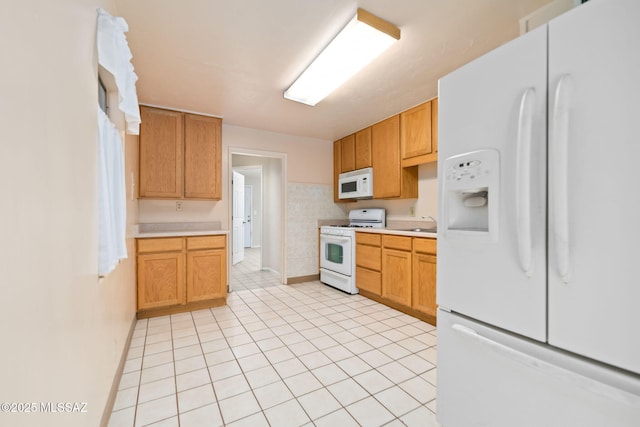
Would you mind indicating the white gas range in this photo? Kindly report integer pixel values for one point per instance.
(338, 248)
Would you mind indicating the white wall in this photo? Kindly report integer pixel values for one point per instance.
(63, 330)
(272, 203)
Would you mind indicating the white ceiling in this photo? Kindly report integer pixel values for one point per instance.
(235, 58)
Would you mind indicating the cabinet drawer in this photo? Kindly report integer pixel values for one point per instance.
(368, 239)
(369, 280)
(396, 242)
(206, 242)
(427, 246)
(368, 256)
(160, 245)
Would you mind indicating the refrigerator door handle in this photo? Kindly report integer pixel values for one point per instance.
(558, 163)
(523, 180)
(554, 371)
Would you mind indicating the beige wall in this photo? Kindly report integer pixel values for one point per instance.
(62, 329)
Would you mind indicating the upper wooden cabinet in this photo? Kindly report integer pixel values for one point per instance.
(363, 148)
(394, 148)
(337, 157)
(348, 153)
(354, 151)
(202, 157)
(418, 138)
(161, 151)
(390, 180)
(180, 155)
(434, 126)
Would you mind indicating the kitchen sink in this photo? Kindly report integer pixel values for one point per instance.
(418, 230)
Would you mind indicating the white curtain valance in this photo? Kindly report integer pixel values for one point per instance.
(115, 56)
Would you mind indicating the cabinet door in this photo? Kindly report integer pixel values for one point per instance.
(363, 148)
(336, 169)
(202, 157)
(415, 131)
(160, 280)
(348, 153)
(424, 284)
(161, 149)
(368, 257)
(368, 280)
(434, 125)
(385, 147)
(206, 274)
(396, 276)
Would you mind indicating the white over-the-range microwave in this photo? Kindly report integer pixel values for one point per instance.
(357, 184)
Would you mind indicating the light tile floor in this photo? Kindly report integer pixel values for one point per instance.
(247, 274)
(297, 355)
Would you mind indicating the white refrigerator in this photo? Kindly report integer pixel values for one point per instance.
(538, 282)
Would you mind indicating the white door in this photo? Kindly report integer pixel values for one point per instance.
(248, 211)
(238, 217)
(497, 102)
(594, 224)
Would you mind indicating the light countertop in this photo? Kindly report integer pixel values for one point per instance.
(397, 232)
(178, 229)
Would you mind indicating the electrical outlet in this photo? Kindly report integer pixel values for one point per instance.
(412, 211)
(179, 206)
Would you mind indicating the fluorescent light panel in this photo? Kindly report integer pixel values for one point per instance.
(364, 38)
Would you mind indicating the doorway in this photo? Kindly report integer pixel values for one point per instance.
(258, 224)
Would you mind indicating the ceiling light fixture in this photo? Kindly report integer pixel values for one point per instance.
(364, 38)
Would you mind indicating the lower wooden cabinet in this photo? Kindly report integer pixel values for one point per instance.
(368, 263)
(424, 276)
(180, 274)
(399, 271)
(160, 280)
(206, 275)
(396, 269)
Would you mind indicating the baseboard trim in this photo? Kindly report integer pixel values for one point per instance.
(111, 400)
(181, 308)
(302, 279)
(432, 320)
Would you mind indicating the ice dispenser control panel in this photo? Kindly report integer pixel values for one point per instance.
(471, 191)
(469, 169)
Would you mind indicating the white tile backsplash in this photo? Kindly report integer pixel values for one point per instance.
(306, 204)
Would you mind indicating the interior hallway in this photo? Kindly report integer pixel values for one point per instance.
(247, 274)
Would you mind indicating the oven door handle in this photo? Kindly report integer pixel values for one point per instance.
(336, 239)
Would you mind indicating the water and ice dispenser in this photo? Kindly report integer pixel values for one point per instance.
(471, 194)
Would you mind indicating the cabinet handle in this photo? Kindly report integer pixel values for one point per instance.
(558, 165)
(523, 180)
